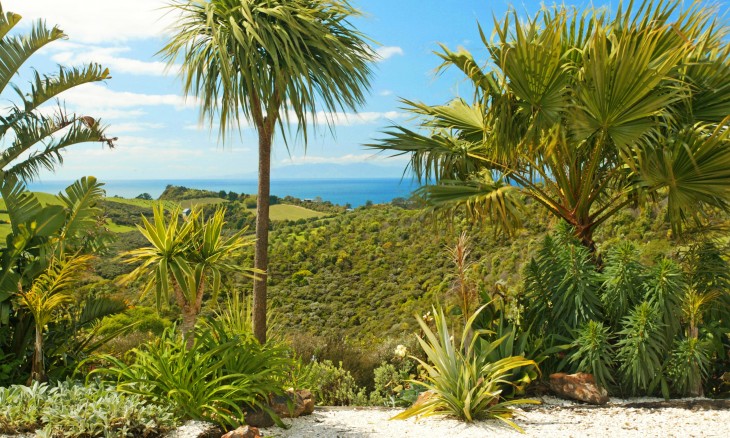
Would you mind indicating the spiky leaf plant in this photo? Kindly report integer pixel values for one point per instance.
(466, 384)
(594, 352)
(623, 280)
(689, 365)
(665, 288)
(642, 349)
(561, 285)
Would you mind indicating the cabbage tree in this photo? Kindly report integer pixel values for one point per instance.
(185, 257)
(269, 63)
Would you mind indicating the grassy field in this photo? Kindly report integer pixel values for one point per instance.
(190, 203)
(282, 212)
(140, 202)
(279, 212)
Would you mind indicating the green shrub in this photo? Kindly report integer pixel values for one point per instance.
(393, 384)
(72, 410)
(641, 349)
(215, 380)
(331, 385)
(594, 352)
(466, 384)
(689, 365)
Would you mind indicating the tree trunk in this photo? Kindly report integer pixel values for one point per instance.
(189, 316)
(695, 389)
(37, 372)
(261, 256)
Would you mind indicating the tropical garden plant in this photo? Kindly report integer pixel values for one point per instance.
(649, 333)
(584, 113)
(33, 139)
(464, 381)
(42, 259)
(272, 63)
(217, 379)
(185, 256)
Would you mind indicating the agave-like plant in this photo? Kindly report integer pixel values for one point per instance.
(465, 383)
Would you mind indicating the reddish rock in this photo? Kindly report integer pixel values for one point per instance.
(293, 404)
(243, 432)
(579, 386)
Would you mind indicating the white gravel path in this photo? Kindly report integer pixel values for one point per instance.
(553, 419)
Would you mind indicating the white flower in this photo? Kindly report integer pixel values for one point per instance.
(401, 350)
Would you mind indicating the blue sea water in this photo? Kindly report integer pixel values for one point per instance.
(355, 192)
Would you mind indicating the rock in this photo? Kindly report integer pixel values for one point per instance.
(258, 418)
(579, 386)
(293, 404)
(195, 429)
(243, 432)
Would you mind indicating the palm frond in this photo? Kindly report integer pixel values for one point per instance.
(254, 58)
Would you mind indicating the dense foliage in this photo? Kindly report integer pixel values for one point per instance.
(68, 409)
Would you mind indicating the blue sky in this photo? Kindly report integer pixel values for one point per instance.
(159, 134)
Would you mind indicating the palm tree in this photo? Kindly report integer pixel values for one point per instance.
(50, 291)
(270, 62)
(584, 113)
(35, 139)
(187, 256)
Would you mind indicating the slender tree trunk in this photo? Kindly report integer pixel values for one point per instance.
(695, 389)
(189, 315)
(261, 256)
(37, 372)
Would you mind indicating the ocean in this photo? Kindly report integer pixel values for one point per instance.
(355, 192)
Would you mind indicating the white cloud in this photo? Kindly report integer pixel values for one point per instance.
(386, 52)
(385, 93)
(135, 127)
(109, 58)
(90, 96)
(351, 119)
(97, 21)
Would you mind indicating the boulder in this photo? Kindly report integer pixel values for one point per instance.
(243, 432)
(579, 386)
(258, 418)
(292, 404)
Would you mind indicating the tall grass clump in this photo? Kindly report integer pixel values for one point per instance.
(217, 379)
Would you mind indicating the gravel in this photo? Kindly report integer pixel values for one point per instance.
(555, 418)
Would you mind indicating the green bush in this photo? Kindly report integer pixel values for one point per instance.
(331, 385)
(393, 384)
(216, 380)
(641, 349)
(73, 410)
(594, 352)
(689, 365)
